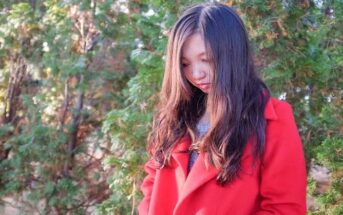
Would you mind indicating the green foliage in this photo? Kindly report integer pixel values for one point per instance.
(330, 153)
(311, 185)
(57, 69)
(330, 202)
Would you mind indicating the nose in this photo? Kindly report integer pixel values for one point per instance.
(198, 73)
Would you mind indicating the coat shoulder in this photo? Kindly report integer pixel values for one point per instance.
(278, 110)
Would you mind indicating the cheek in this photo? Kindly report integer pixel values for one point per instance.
(187, 75)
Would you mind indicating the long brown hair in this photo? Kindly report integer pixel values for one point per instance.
(236, 100)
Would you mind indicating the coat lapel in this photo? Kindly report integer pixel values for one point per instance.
(181, 156)
(198, 176)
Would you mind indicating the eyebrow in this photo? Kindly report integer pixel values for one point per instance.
(199, 55)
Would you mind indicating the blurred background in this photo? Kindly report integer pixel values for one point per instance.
(79, 80)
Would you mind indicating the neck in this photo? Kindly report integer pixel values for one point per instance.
(205, 118)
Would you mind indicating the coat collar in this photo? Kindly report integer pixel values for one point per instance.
(269, 111)
(201, 172)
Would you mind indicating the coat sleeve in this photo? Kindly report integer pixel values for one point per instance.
(147, 186)
(283, 168)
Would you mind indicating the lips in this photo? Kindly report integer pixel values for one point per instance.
(203, 86)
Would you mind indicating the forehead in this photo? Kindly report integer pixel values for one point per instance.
(193, 46)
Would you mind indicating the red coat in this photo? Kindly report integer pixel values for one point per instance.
(276, 186)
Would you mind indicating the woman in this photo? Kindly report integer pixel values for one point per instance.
(219, 143)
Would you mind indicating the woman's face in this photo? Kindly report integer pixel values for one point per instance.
(194, 63)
